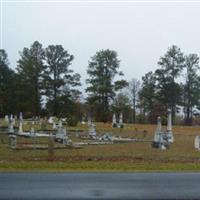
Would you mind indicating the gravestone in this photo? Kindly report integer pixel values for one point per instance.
(50, 120)
(121, 125)
(20, 131)
(197, 142)
(160, 139)
(11, 117)
(77, 133)
(159, 125)
(33, 135)
(92, 131)
(21, 116)
(10, 126)
(13, 141)
(32, 132)
(54, 125)
(169, 133)
(114, 121)
(107, 137)
(60, 124)
(6, 118)
(159, 135)
(61, 134)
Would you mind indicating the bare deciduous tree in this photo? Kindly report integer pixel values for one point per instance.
(133, 89)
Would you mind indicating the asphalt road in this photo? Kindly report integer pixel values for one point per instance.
(100, 186)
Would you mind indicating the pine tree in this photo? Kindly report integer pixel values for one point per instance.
(191, 87)
(60, 82)
(30, 69)
(172, 64)
(102, 70)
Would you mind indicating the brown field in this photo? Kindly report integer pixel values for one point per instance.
(116, 157)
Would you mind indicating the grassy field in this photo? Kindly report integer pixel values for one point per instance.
(135, 156)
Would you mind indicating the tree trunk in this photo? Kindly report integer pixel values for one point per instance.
(173, 114)
(134, 108)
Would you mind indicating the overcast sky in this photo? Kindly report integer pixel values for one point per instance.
(139, 32)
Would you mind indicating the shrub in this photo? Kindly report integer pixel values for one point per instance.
(72, 120)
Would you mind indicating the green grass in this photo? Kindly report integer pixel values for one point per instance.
(92, 166)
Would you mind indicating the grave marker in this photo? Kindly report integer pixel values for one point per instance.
(169, 133)
(92, 131)
(6, 118)
(114, 121)
(13, 141)
(197, 142)
(21, 116)
(121, 125)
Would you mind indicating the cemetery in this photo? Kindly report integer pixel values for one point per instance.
(142, 123)
(52, 139)
(58, 134)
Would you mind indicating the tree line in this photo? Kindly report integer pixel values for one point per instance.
(44, 84)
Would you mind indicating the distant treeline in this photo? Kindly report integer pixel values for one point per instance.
(43, 84)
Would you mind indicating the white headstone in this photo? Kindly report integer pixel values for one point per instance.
(114, 121)
(170, 137)
(13, 121)
(13, 141)
(54, 125)
(50, 120)
(92, 131)
(60, 124)
(6, 118)
(169, 120)
(163, 147)
(20, 127)
(32, 131)
(197, 142)
(10, 127)
(61, 135)
(158, 137)
(121, 119)
(120, 124)
(159, 125)
(20, 116)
